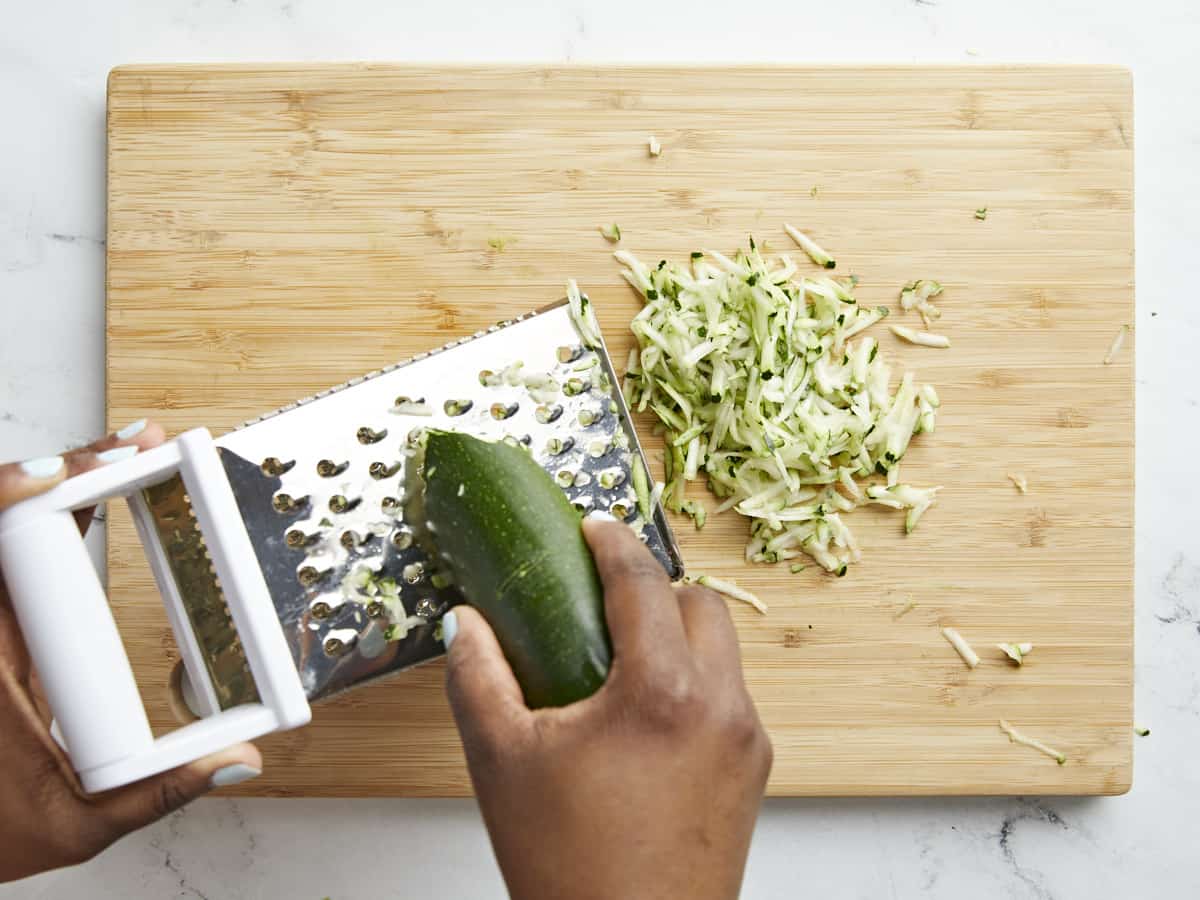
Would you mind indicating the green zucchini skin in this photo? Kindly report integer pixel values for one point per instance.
(513, 543)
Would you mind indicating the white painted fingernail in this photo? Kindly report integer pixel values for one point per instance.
(449, 628)
(235, 774)
(56, 733)
(116, 454)
(131, 430)
(600, 515)
(43, 467)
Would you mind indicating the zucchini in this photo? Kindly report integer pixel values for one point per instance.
(491, 515)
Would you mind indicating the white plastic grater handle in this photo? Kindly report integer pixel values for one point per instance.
(73, 640)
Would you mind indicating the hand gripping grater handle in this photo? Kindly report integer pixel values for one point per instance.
(73, 640)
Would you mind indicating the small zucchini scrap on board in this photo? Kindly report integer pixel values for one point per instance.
(491, 515)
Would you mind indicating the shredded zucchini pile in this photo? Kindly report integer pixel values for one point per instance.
(764, 382)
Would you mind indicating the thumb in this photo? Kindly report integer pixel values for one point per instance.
(483, 692)
(137, 805)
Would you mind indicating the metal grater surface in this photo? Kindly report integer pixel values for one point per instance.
(319, 485)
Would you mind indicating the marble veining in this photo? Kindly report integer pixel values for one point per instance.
(53, 64)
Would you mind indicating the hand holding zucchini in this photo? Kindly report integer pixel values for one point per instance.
(493, 517)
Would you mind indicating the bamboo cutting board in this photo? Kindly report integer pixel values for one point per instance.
(275, 230)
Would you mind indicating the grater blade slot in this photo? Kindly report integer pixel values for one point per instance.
(187, 556)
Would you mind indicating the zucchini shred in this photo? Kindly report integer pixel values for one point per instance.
(765, 385)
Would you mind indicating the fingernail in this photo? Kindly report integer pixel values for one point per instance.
(56, 733)
(449, 628)
(116, 454)
(131, 430)
(43, 467)
(235, 774)
(600, 515)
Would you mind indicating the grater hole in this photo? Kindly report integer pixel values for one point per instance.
(297, 538)
(327, 468)
(273, 467)
(370, 435)
(286, 503)
(548, 413)
(413, 572)
(576, 386)
(557, 445)
(311, 575)
(409, 406)
(611, 478)
(389, 506)
(501, 411)
(339, 503)
(380, 470)
(457, 407)
(320, 610)
(568, 354)
(402, 540)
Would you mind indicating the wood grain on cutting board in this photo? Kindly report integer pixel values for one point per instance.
(276, 230)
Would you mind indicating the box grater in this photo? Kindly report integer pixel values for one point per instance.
(280, 550)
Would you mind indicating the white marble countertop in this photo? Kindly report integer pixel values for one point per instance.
(53, 61)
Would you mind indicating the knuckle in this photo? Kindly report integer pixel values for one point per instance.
(699, 594)
(741, 729)
(168, 796)
(761, 752)
(634, 567)
(485, 756)
(455, 672)
(708, 610)
(760, 757)
(460, 672)
(490, 751)
(675, 702)
(766, 755)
